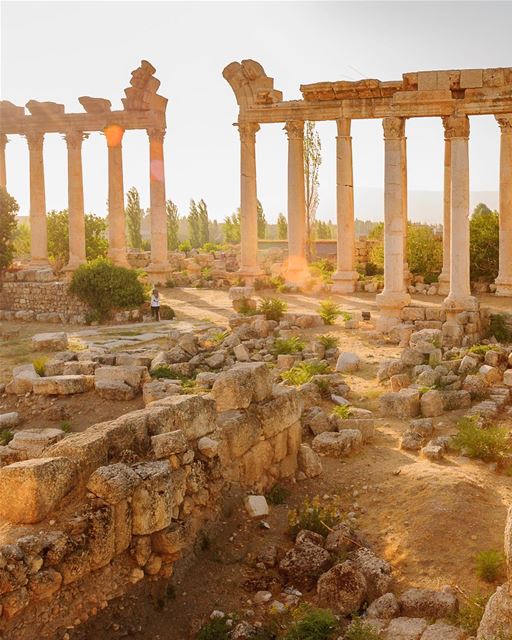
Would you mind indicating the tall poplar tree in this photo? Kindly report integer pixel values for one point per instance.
(312, 162)
(173, 225)
(282, 227)
(194, 231)
(133, 214)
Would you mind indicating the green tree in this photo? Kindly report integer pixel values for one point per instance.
(22, 240)
(173, 225)
(424, 251)
(8, 209)
(262, 222)
(96, 243)
(232, 228)
(133, 213)
(484, 242)
(323, 230)
(312, 162)
(282, 227)
(194, 230)
(202, 215)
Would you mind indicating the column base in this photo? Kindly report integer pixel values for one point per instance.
(454, 304)
(119, 258)
(503, 288)
(250, 273)
(296, 271)
(390, 305)
(37, 263)
(158, 272)
(344, 281)
(73, 265)
(444, 284)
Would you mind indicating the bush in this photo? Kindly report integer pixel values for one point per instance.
(311, 623)
(489, 444)
(324, 269)
(499, 329)
(65, 426)
(343, 411)
(105, 286)
(96, 243)
(313, 516)
(328, 341)
(39, 365)
(469, 616)
(481, 349)
(6, 435)
(289, 345)
(215, 629)
(360, 630)
(490, 565)
(303, 372)
(210, 247)
(329, 311)
(164, 371)
(277, 495)
(272, 308)
(8, 210)
(185, 246)
(424, 251)
(484, 243)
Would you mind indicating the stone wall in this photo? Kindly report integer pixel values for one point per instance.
(122, 501)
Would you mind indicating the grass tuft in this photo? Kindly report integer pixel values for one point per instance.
(289, 345)
(490, 565)
(303, 372)
(313, 516)
(489, 444)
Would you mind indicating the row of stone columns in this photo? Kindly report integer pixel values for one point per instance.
(454, 280)
(116, 213)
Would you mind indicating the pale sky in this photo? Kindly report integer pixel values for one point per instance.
(59, 51)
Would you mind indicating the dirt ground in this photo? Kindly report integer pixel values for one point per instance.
(427, 519)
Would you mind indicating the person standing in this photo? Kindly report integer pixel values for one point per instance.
(155, 304)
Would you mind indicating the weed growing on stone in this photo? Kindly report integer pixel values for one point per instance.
(490, 565)
(215, 629)
(329, 341)
(245, 308)
(314, 516)
(343, 411)
(329, 311)
(360, 630)
(219, 336)
(289, 345)
(272, 308)
(39, 365)
(303, 372)
(489, 444)
(480, 349)
(65, 426)
(163, 371)
(311, 623)
(6, 435)
(469, 615)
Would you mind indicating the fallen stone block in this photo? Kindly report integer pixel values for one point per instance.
(418, 603)
(132, 376)
(32, 442)
(256, 506)
(343, 588)
(113, 483)
(432, 404)
(50, 341)
(23, 377)
(241, 385)
(401, 404)
(194, 414)
(337, 444)
(9, 420)
(309, 462)
(158, 389)
(405, 629)
(63, 385)
(348, 362)
(39, 486)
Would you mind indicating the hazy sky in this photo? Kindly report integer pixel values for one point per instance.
(59, 51)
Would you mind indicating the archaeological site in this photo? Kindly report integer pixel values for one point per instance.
(237, 423)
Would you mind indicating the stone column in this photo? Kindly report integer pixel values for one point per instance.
(394, 295)
(504, 279)
(248, 201)
(159, 265)
(296, 269)
(405, 209)
(3, 172)
(459, 298)
(444, 276)
(116, 218)
(75, 200)
(38, 231)
(346, 275)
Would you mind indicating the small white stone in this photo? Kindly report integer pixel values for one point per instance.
(256, 506)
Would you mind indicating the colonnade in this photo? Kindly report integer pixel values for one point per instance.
(454, 281)
(116, 213)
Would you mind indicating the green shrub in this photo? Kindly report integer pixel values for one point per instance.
(206, 273)
(480, 349)
(329, 311)
(303, 372)
(39, 365)
(484, 242)
(259, 284)
(215, 629)
(211, 247)
(163, 371)
(323, 268)
(490, 565)
(311, 623)
(323, 386)
(105, 286)
(313, 516)
(6, 435)
(329, 341)
(277, 495)
(343, 411)
(219, 336)
(272, 308)
(289, 345)
(185, 246)
(499, 329)
(360, 630)
(470, 614)
(489, 444)
(65, 426)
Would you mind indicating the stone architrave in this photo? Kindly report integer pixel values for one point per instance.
(3, 171)
(38, 229)
(444, 276)
(116, 215)
(75, 200)
(459, 298)
(504, 279)
(159, 265)
(248, 201)
(296, 269)
(345, 277)
(394, 295)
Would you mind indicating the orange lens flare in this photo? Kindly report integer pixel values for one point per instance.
(113, 134)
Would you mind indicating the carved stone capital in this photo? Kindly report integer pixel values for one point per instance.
(394, 127)
(247, 131)
(74, 139)
(294, 130)
(3, 140)
(456, 127)
(35, 140)
(343, 127)
(505, 122)
(156, 134)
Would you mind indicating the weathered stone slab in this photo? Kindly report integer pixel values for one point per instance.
(152, 500)
(63, 385)
(50, 341)
(34, 441)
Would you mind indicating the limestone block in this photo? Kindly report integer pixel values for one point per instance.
(241, 353)
(256, 506)
(123, 524)
(413, 313)
(113, 483)
(238, 432)
(365, 425)
(431, 404)
(426, 340)
(460, 399)
(342, 588)
(256, 463)
(280, 412)
(443, 631)
(9, 420)
(39, 485)
(34, 441)
(167, 444)
(23, 377)
(376, 571)
(152, 499)
(238, 293)
(208, 447)
(63, 385)
(241, 385)
(194, 414)
(133, 360)
(405, 629)
(44, 584)
(170, 540)
(101, 536)
(305, 562)
(385, 607)
(471, 78)
(82, 367)
(497, 618)
(348, 362)
(508, 543)
(132, 376)
(428, 603)
(89, 450)
(287, 360)
(401, 404)
(50, 341)
(427, 80)
(490, 374)
(158, 389)
(115, 390)
(309, 462)
(337, 444)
